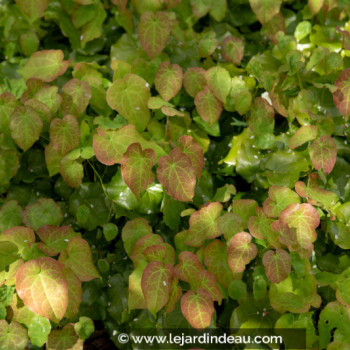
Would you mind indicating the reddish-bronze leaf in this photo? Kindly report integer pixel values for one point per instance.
(208, 106)
(136, 166)
(168, 80)
(198, 308)
(188, 268)
(176, 173)
(277, 265)
(41, 284)
(323, 153)
(207, 281)
(190, 147)
(154, 31)
(341, 96)
(194, 80)
(240, 251)
(233, 49)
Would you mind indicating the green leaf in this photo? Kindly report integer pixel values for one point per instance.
(305, 219)
(304, 134)
(244, 208)
(10, 215)
(198, 308)
(75, 293)
(23, 237)
(204, 224)
(136, 167)
(129, 97)
(12, 336)
(46, 65)
(79, 259)
(240, 251)
(207, 44)
(32, 9)
(208, 106)
(75, 97)
(207, 281)
(237, 289)
(168, 80)
(65, 338)
(154, 31)
(110, 231)
(38, 330)
(40, 283)
(109, 146)
(8, 254)
(302, 30)
(229, 224)
(55, 239)
(44, 211)
(219, 82)
(72, 172)
(176, 173)
(133, 231)
(323, 153)
(188, 268)
(156, 285)
(233, 49)
(194, 80)
(265, 10)
(277, 265)
(26, 126)
(84, 328)
(315, 5)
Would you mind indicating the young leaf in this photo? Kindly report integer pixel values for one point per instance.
(233, 49)
(190, 147)
(207, 281)
(44, 211)
(204, 224)
(75, 97)
(240, 251)
(129, 97)
(215, 259)
(188, 268)
(194, 80)
(65, 338)
(26, 126)
(75, 293)
(65, 134)
(156, 252)
(19, 235)
(38, 330)
(156, 285)
(79, 259)
(304, 218)
(207, 44)
(277, 265)
(229, 224)
(341, 96)
(136, 167)
(244, 208)
(175, 295)
(41, 284)
(133, 231)
(304, 134)
(265, 10)
(200, 7)
(55, 239)
(176, 173)
(198, 308)
(323, 153)
(168, 80)
(45, 65)
(154, 31)
(12, 336)
(208, 106)
(32, 9)
(279, 199)
(141, 245)
(109, 146)
(219, 82)
(72, 172)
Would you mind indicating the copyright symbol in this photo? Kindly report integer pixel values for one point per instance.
(123, 338)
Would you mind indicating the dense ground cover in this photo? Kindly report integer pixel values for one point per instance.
(173, 164)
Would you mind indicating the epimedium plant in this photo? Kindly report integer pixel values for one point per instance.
(211, 134)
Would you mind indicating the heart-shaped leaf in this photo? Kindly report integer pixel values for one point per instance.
(241, 251)
(26, 126)
(65, 338)
(233, 49)
(188, 268)
(265, 10)
(72, 172)
(176, 173)
(41, 284)
(45, 65)
(304, 134)
(204, 224)
(208, 106)
(323, 153)
(79, 259)
(154, 31)
(136, 166)
(19, 235)
(194, 80)
(156, 285)
(129, 97)
(12, 336)
(341, 96)
(33, 9)
(277, 265)
(198, 308)
(219, 82)
(207, 281)
(168, 80)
